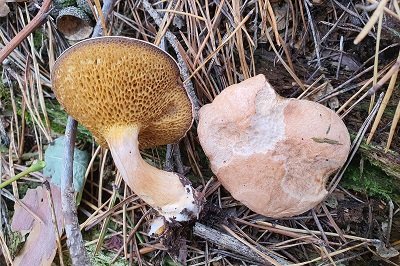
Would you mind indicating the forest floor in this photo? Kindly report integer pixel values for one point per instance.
(342, 54)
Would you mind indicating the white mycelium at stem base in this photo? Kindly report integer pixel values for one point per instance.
(166, 192)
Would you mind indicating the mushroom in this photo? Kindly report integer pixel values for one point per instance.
(272, 154)
(128, 93)
(74, 23)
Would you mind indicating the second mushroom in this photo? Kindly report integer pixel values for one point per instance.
(272, 154)
(128, 93)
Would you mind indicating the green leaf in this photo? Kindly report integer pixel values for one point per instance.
(54, 158)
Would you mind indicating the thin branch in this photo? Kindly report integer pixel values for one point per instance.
(30, 27)
(385, 78)
(4, 139)
(75, 243)
(74, 237)
(181, 63)
(169, 159)
(106, 10)
(371, 22)
(314, 34)
(54, 220)
(228, 242)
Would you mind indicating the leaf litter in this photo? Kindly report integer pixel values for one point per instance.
(41, 243)
(222, 42)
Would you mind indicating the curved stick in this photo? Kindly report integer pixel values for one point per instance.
(30, 27)
(75, 243)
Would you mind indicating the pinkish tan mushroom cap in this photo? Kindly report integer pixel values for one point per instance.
(272, 154)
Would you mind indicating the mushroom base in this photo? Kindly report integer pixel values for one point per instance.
(169, 193)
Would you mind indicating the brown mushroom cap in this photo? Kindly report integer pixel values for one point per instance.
(117, 81)
(272, 154)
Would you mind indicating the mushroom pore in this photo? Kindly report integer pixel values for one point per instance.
(128, 93)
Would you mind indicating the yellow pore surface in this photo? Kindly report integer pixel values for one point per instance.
(121, 82)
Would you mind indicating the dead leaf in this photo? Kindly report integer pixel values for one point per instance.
(40, 246)
(54, 157)
(280, 15)
(333, 102)
(348, 62)
(113, 243)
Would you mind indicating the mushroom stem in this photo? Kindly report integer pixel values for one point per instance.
(169, 193)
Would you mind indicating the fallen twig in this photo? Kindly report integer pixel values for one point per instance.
(30, 27)
(106, 10)
(385, 78)
(4, 139)
(74, 237)
(371, 22)
(181, 63)
(54, 221)
(314, 34)
(231, 243)
(75, 243)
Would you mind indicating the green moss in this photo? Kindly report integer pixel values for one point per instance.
(38, 39)
(388, 162)
(28, 117)
(57, 116)
(64, 3)
(58, 120)
(390, 108)
(371, 180)
(15, 242)
(170, 262)
(24, 186)
(5, 95)
(3, 149)
(104, 257)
